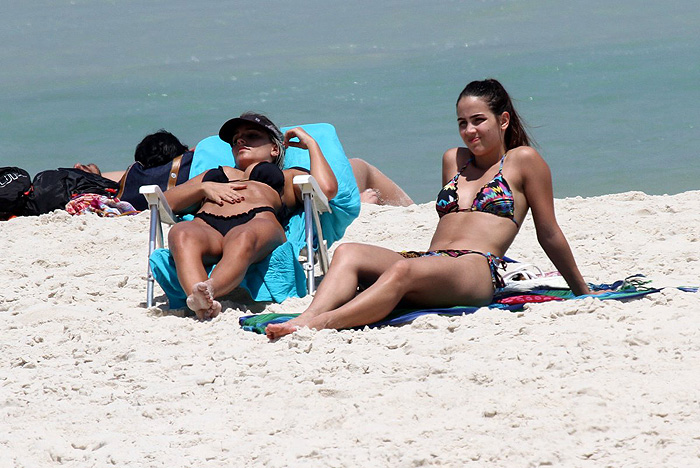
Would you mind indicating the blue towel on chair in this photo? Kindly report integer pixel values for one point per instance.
(280, 275)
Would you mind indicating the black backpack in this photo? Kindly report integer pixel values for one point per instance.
(15, 185)
(54, 188)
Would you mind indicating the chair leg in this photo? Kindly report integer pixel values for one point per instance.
(149, 289)
(155, 234)
(309, 229)
(322, 249)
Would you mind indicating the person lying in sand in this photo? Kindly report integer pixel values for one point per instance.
(153, 150)
(153, 164)
(490, 185)
(240, 212)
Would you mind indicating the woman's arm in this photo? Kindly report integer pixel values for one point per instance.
(190, 195)
(116, 176)
(319, 167)
(537, 187)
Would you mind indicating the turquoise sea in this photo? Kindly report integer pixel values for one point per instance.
(610, 89)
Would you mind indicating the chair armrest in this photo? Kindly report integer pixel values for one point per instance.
(308, 184)
(154, 196)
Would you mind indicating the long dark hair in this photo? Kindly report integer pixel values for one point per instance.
(498, 100)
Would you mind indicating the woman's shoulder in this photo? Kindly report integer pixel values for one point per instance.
(454, 152)
(457, 156)
(527, 161)
(524, 156)
(523, 152)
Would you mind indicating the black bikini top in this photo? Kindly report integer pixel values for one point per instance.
(265, 172)
(270, 174)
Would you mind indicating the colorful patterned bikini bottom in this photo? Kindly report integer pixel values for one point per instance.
(494, 261)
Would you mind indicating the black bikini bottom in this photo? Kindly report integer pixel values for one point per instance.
(224, 224)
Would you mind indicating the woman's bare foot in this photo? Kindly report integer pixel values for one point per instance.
(310, 318)
(371, 196)
(202, 302)
(201, 297)
(213, 311)
(277, 330)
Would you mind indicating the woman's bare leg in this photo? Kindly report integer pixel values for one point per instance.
(375, 187)
(244, 245)
(195, 243)
(192, 244)
(427, 281)
(352, 264)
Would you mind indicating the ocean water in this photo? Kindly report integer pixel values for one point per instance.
(610, 90)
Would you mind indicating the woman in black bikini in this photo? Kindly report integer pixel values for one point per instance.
(489, 187)
(239, 210)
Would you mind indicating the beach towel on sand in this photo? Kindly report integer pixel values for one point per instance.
(280, 275)
(631, 287)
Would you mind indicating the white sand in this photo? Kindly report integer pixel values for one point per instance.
(89, 377)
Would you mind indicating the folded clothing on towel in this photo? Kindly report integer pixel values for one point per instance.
(99, 204)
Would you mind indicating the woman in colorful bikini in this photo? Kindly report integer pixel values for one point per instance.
(489, 187)
(239, 211)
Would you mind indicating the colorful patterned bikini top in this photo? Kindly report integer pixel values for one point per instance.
(495, 197)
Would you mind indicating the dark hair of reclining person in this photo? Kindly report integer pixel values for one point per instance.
(158, 148)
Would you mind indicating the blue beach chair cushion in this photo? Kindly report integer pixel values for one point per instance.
(280, 275)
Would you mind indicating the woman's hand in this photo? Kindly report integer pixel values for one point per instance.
(88, 168)
(305, 140)
(318, 165)
(219, 193)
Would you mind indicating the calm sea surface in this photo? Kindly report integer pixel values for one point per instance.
(611, 90)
